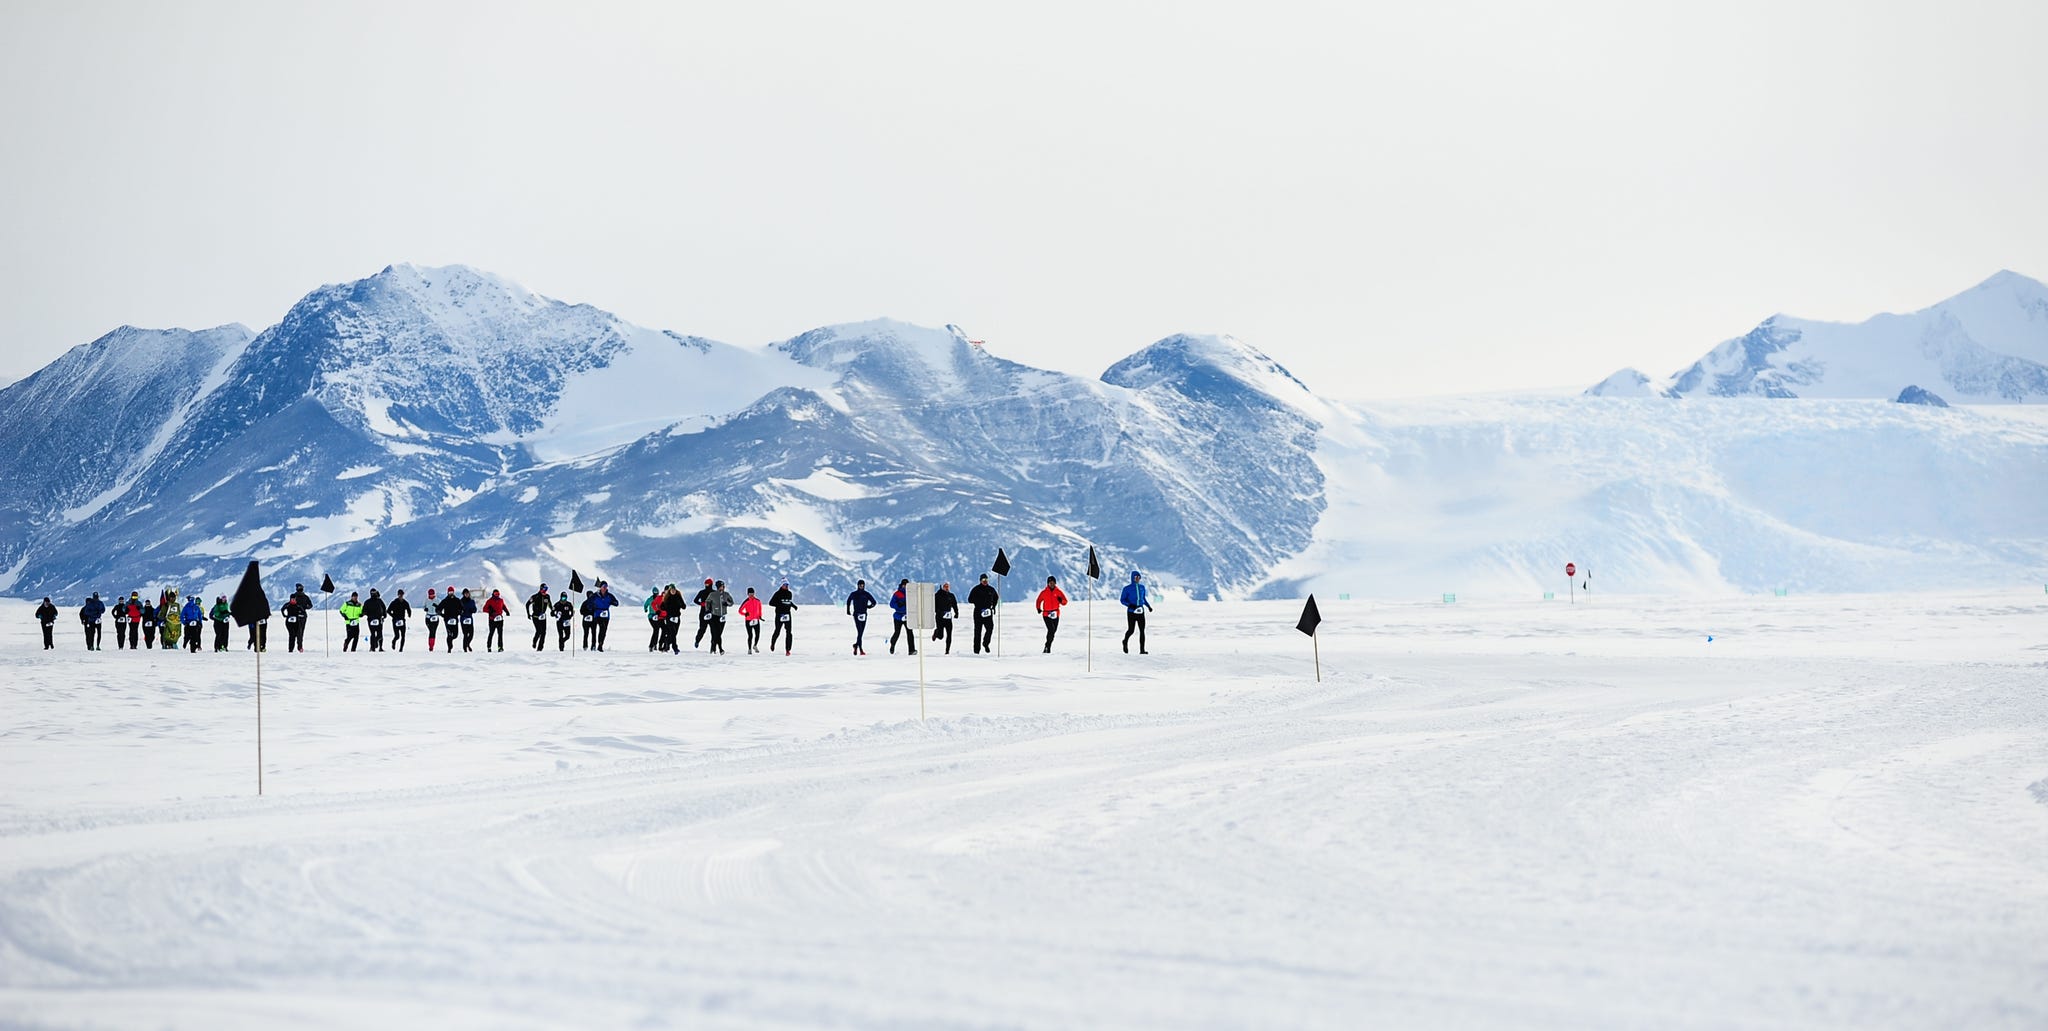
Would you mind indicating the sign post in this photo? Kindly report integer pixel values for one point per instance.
(920, 611)
(1571, 585)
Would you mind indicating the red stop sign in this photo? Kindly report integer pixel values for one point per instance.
(1570, 569)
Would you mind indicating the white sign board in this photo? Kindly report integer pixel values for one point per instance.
(919, 609)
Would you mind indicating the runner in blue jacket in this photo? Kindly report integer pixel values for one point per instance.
(1136, 604)
(857, 605)
(194, 619)
(899, 606)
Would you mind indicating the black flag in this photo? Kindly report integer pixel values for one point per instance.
(575, 581)
(250, 604)
(1001, 567)
(1094, 568)
(326, 584)
(1310, 618)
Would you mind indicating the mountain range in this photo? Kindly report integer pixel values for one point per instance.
(1986, 345)
(442, 425)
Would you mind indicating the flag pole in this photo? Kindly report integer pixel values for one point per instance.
(1316, 642)
(259, 722)
(1002, 581)
(1091, 622)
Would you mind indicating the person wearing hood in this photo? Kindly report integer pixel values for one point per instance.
(351, 623)
(750, 612)
(170, 630)
(220, 614)
(89, 616)
(899, 609)
(983, 599)
(194, 619)
(259, 633)
(565, 614)
(1136, 604)
(602, 602)
(537, 609)
(717, 604)
(296, 609)
(401, 611)
(467, 608)
(496, 609)
(703, 617)
(944, 607)
(149, 621)
(857, 605)
(652, 607)
(783, 602)
(588, 610)
(374, 612)
(1048, 604)
(46, 614)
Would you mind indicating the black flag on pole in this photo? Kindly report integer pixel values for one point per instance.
(250, 604)
(1094, 567)
(326, 584)
(575, 581)
(1310, 618)
(1001, 566)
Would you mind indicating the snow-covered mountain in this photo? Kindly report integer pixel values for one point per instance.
(1987, 344)
(446, 426)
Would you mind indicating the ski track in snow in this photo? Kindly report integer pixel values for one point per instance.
(1506, 815)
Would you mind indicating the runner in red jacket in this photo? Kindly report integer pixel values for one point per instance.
(1049, 602)
(496, 609)
(750, 610)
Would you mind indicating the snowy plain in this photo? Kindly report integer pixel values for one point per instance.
(1503, 814)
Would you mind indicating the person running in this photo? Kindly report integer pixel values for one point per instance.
(857, 605)
(565, 614)
(451, 616)
(496, 609)
(703, 617)
(983, 600)
(374, 612)
(944, 607)
(1049, 602)
(149, 621)
(1136, 604)
(602, 604)
(669, 606)
(717, 603)
(219, 614)
(89, 616)
(194, 619)
(750, 611)
(783, 601)
(294, 612)
(899, 609)
(46, 614)
(652, 606)
(131, 611)
(169, 628)
(537, 609)
(351, 623)
(430, 614)
(589, 612)
(401, 611)
(468, 610)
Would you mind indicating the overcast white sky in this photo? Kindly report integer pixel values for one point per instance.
(1390, 199)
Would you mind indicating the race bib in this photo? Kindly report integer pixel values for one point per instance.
(782, 618)
(468, 621)
(986, 613)
(1052, 614)
(398, 622)
(605, 614)
(861, 618)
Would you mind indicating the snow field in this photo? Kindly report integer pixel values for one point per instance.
(1551, 815)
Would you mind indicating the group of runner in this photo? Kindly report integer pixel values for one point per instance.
(139, 623)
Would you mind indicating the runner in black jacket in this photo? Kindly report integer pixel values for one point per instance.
(944, 607)
(784, 604)
(400, 611)
(537, 609)
(375, 610)
(46, 614)
(983, 599)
